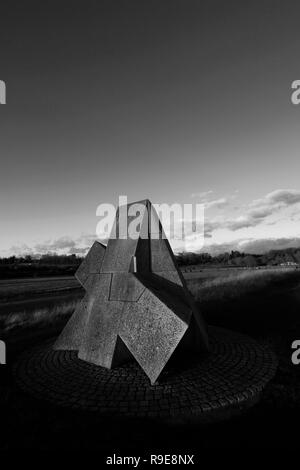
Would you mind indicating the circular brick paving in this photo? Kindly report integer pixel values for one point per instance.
(220, 383)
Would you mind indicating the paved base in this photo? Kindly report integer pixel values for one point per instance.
(228, 379)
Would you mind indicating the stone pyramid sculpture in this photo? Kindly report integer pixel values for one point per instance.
(136, 303)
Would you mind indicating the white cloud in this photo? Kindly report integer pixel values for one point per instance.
(266, 244)
(286, 197)
(21, 250)
(259, 210)
(203, 196)
(219, 203)
(55, 246)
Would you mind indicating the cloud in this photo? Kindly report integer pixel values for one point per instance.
(262, 213)
(21, 250)
(240, 222)
(286, 197)
(203, 196)
(264, 245)
(232, 224)
(60, 244)
(257, 211)
(252, 246)
(66, 245)
(211, 225)
(86, 239)
(219, 203)
(218, 248)
(275, 201)
(79, 251)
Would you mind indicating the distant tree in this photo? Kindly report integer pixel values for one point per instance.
(250, 261)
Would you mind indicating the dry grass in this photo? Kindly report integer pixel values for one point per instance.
(41, 317)
(13, 289)
(238, 283)
(221, 287)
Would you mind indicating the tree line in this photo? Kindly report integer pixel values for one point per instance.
(47, 265)
(236, 258)
(60, 265)
(52, 259)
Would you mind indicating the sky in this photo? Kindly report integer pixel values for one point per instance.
(174, 101)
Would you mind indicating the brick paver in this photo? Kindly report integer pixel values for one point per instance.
(226, 380)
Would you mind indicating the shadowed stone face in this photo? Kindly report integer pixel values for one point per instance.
(136, 305)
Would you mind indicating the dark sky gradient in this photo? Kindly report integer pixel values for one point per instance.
(156, 99)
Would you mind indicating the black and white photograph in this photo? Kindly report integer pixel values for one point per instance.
(150, 228)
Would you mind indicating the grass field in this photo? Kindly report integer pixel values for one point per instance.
(221, 284)
(262, 303)
(14, 289)
(26, 303)
(37, 303)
